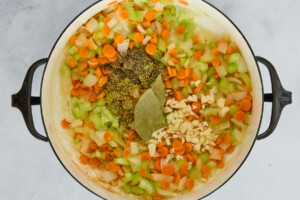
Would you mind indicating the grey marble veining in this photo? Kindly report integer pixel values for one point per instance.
(30, 170)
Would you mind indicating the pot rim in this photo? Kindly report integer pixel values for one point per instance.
(252, 53)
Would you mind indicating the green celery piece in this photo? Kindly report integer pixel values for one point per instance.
(136, 179)
(212, 82)
(233, 67)
(207, 57)
(232, 110)
(122, 161)
(84, 114)
(139, 16)
(76, 112)
(233, 58)
(157, 55)
(210, 72)
(91, 70)
(212, 45)
(128, 177)
(93, 155)
(144, 164)
(100, 17)
(202, 66)
(74, 101)
(72, 50)
(224, 83)
(107, 114)
(137, 190)
(194, 173)
(211, 164)
(182, 61)
(175, 84)
(131, 11)
(85, 107)
(127, 189)
(76, 141)
(101, 102)
(147, 185)
(197, 72)
(77, 57)
(96, 120)
(231, 87)
(205, 157)
(65, 71)
(210, 111)
(149, 31)
(185, 92)
(161, 45)
(164, 119)
(246, 78)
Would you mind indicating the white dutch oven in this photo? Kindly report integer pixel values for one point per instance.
(54, 105)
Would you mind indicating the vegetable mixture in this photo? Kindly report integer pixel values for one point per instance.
(157, 102)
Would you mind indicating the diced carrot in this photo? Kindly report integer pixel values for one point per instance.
(102, 59)
(168, 84)
(98, 72)
(230, 49)
(215, 119)
(83, 65)
(191, 118)
(196, 106)
(165, 185)
(177, 144)
(174, 60)
(151, 49)
(145, 23)
(227, 56)
(127, 143)
(138, 37)
(183, 83)
(173, 72)
(229, 103)
(176, 178)
(166, 25)
(198, 88)
(219, 140)
(240, 116)
(133, 22)
(227, 138)
(180, 30)
(168, 170)
(178, 95)
(161, 144)
(73, 39)
(195, 39)
(105, 30)
(216, 75)
(215, 62)
(91, 126)
(65, 124)
(143, 172)
(113, 167)
(103, 81)
(74, 93)
(131, 45)
(194, 77)
(184, 174)
(150, 16)
(230, 149)
(83, 91)
(163, 152)
(153, 38)
(221, 164)
(180, 151)
(156, 196)
(188, 147)
(108, 136)
(84, 52)
(89, 44)
(184, 167)
(145, 156)
(157, 165)
(72, 63)
(93, 146)
(93, 62)
(198, 54)
(215, 51)
(185, 3)
(112, 3)
(83, 159)
(165, 34)
(94, 162)
(173, 52)
(100, 96)
(217, 154)
(245, 105)
(189, 184)
(124, 14)
(205, 170)
(109, 51)
(188, 71)
(126, 153)
(119, 38)
(181, 74)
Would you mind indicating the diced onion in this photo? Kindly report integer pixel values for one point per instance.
(158, 26)
(222, 47)
(123, 47)
(224, 146)
(171, 47)
(108, 176)
(221, 70)
(90, 80)
(152, 149)
(236, 80)
(112, 23)
(224, 125)
(158, 6)
(239, 95)
(238, 123)
(182, 183)
(76, 123)
(187, 62)
(161, 177)
(146, 40)
(140, 28)
(166, 192)
(92, 25)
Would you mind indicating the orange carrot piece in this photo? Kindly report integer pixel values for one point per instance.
(196, 106)
(166, 25)
(83, 159)
(227, 138)
(138, 37)
(72, 63)
(91, 126)
(181, 74)
(65, 124)
(165, 34)
(188, 71)
(112, 3)
(133, 22)
(93, 62)
(245, 105)
(217, 154)
(161, 144)
(168, 170)
(198, 88)
(124, 15)
(219, 140)
(143, 172)
(230, 149)
(131, 45)
(221, 164)
(173, 52)
(100, 96)
(105, 30)
(215, 62)
(108, 136)
(183, 83)
(240, 116)
(191, 118)
(184, 174)
(151, 49)
(177, 144)
(194, 77)
(195, 39)
(189, 184)
(73, 39)
(89, 44)
(230, 49)
(188, 147)
(94, 162)
(229, 103)
(153, 38)
(163, 152)
(215, 51)
(180, 30)
(98, 72)
(198, 54)
(157, 165)
(165, 185)
(145, 156)
(178, 95)
(180, 152)
(126, 153)
(205, 170)
(168, 84)
(109, 51)
(150, 16)
(113, 167)
(93, 146)
(145, 23)
(184, 167)
(215, 119)
(183, 2)
(176, 178)
(119, 38)
(84, 52)
(156, 196)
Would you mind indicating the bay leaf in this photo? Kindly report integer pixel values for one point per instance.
(158, 87)
(148, 115)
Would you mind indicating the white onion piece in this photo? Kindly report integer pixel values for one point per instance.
(76, 123)
(158, 26)
(181, 55)
(158, 6)
(112, 23)
(161, 177)
(92, 25)
(140, 28)
(108, 176)
(221, 70)
(182, 183)
(222, 47)
(187, 62)
(163, 162)
(90, 80)
(166, 192)
(171, 46)
(224, 125)
(236, 80)
(153, 27)
(84, 145)
(146, 39)
(123, 47)
(239, 95)
(98, 137)
(238, 123)
(224, 146)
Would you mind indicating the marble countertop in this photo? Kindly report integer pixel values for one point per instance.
(30, 170)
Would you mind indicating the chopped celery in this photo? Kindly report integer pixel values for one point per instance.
(100, 17)
(107, 114)
(233, 109)
(72, 50)
(231, 68)
(146, 185)
(224, 83)
(202, 66)
(210, 72)
(211, 164)
(130, 35)
(212, 45)
(212, 82)
(149, 31)
(136, 44)
(101, 102)
(246, 78)
(93, 155)
(128, 177)
(136, 179)
(99, 50)
(96, 120)
(135, 163)
(189, 53)
(175, 84)
(187, 91)
(84, 114)
(231, 87)
(85, 107)
(210, 111)
(76, 141)
(144, 164)
(131, 12)
(91, 70)
(233, 58)
(74, 101)
(139, 16)
(161, 45)
(127, 189)
(207, 57)
(194, 173)
(122, 161)
(205, 157)
(182, 61)
(77, 57)
(137, 190)
(187, 35)
(76, 112)
(157, 55)
(65, 71)
(118, 138)
(164, 118)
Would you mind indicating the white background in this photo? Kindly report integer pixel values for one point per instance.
(29, 168)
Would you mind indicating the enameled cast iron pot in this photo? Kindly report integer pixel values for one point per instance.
(50, 100)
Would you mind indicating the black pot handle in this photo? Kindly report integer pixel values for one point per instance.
(279, 97)
(23, 100)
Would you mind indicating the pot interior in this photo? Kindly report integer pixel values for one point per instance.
(55, 102)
